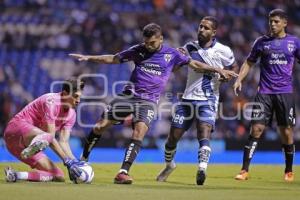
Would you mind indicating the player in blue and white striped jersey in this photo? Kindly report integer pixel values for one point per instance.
(200, 99)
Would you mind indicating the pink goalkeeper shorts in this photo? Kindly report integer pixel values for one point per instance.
(14, 135)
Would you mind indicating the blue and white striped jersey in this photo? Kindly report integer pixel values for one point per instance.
(204, 86)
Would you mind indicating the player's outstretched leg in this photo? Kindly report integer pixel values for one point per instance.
(170, 164)
(38, 143)
(44, 170)
(37, 176)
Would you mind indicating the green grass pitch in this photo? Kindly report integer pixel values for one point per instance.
(266, 182)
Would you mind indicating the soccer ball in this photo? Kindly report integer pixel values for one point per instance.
(86, 176)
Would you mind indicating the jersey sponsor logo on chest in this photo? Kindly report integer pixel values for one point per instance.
(278, 59)
(152, 68)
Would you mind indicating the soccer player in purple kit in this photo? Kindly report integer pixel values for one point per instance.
(200, 100)
(154, 62)
(277, 52)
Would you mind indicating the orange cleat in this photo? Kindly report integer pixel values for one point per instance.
(242, 176)
(289, 176)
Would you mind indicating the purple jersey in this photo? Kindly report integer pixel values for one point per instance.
(277, 57)
(152, 70)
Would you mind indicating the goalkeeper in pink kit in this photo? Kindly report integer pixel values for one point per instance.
(33, 129)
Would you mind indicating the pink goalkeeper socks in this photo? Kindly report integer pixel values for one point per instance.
(40, 176)
(37, 176)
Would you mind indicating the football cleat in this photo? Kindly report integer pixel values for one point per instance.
(123, 178)
(289, 176)
(10, 175)
(243, 175)
(34, 148)
(200, 177)
(164, 173)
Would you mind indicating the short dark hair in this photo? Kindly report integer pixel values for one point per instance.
(214, 21)
(278, 12)
(151, 29)
(72, 85)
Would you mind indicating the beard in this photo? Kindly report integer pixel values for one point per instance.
(202, 39)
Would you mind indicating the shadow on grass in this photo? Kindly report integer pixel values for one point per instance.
(169, 185)
(173, 185)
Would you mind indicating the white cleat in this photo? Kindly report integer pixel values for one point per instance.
(164, 174)
(10, 175)
(34, 149)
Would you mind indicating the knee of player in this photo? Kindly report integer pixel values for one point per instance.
(98, 128)
(138, 134)
(101, 125)
(286, 130)
(257, 130)
(172, 140)
(204, 126)
(204, 133)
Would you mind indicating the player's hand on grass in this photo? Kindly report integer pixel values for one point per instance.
(79, 57)
(237, 86)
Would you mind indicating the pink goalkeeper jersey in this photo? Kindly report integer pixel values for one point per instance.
(47, 109)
